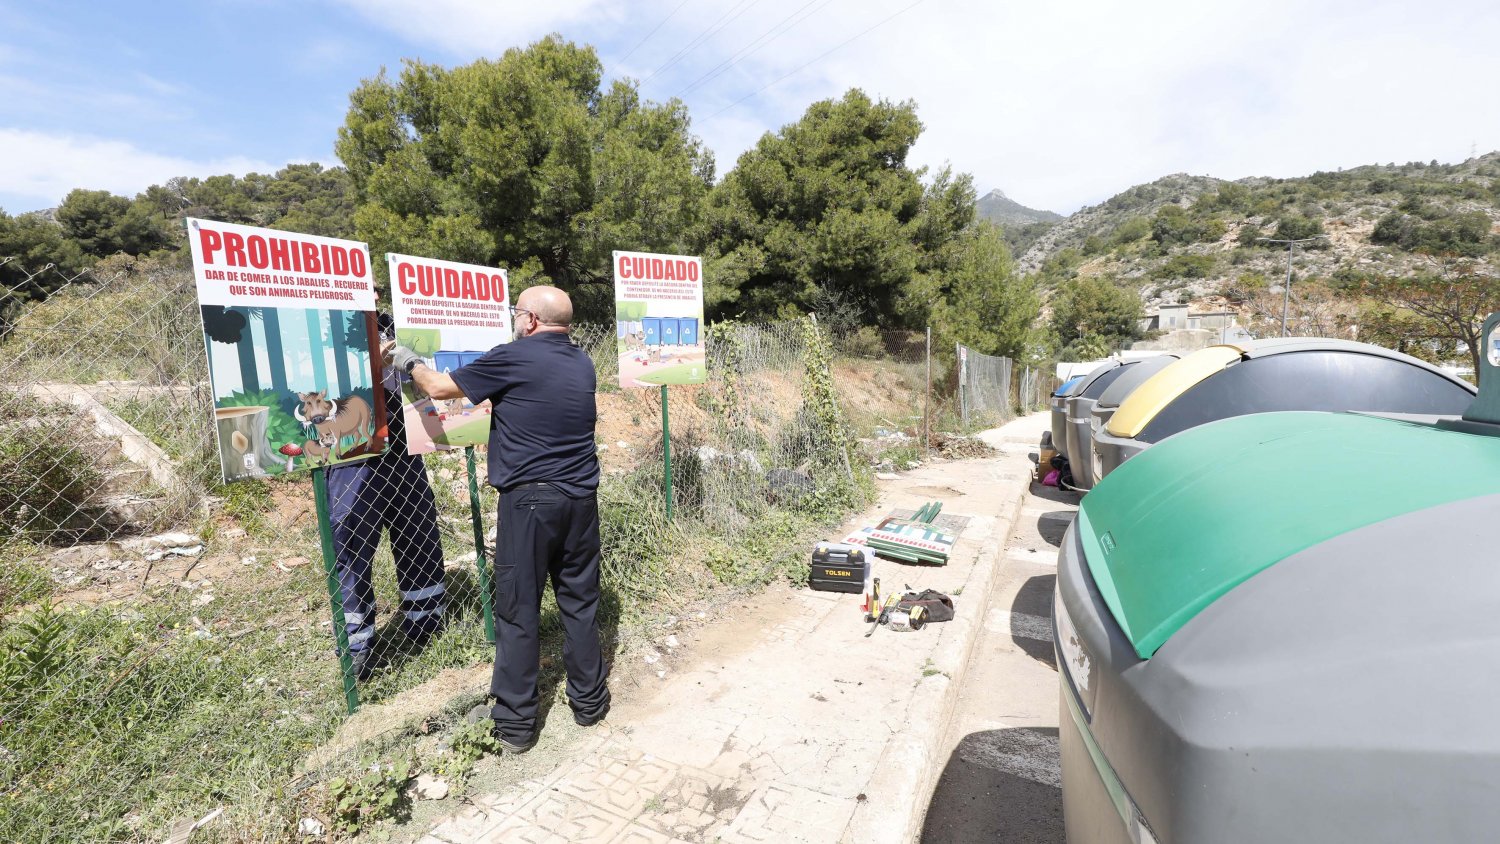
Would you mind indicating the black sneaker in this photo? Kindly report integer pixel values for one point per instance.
(418, 640)
(589, 721)
(481, 713)
(512, 747)
(364, 663)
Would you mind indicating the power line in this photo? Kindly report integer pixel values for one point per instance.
(663, 22)
(713, 29)
(755, 46)
(824, 55)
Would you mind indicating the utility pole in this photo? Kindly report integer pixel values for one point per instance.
(1286, 291)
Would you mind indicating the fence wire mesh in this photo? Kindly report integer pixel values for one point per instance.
(166, 645)
(1033, 388)
(985, 392)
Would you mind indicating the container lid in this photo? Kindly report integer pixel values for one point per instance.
(1134, 377)
(1165, 386)
(1093, 376)
(1062, 389)
(1198, 514)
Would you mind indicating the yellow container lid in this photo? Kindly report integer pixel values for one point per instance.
(1161, 389)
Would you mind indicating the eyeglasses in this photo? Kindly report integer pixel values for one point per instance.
(515, 310)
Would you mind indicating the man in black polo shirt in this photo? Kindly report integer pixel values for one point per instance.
(543, 460)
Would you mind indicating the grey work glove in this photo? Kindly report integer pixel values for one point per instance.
(404, 359)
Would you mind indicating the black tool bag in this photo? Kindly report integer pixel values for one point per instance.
(936, 606)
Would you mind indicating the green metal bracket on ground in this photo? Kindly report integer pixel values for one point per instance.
(335, 595)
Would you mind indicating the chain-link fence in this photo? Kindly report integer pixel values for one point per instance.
(984, 388)
(166, 642)
(1033, 388)
(993, 390)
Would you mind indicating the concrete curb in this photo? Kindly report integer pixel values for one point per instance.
(908, 766)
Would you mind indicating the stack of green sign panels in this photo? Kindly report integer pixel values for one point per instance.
(914, 540)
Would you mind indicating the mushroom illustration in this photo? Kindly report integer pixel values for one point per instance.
(291, 450)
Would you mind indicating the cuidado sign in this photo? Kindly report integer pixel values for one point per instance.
(659, 319)
(450, 314)
(289, 327)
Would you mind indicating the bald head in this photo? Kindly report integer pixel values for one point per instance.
(553, 308)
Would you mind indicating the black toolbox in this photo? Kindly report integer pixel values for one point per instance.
(839, 568)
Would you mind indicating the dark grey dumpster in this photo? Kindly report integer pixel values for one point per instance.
(1109, 401)
(1260, 376)
(1060, 413)
(1280, 627)
(1079, 407)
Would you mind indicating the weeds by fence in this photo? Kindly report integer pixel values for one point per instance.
(146, 678)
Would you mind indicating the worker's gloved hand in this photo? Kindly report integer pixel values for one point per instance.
(402, 358)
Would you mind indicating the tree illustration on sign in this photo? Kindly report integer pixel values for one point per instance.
(230, 326)
(270, 320)
(317, 348)
(340, 350)
(357, 335)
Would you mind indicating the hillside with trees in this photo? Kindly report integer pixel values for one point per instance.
(1407, 256)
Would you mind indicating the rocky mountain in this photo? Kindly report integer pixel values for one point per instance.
(1196, 239)
(999, 208)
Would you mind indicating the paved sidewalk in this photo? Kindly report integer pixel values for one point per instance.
(786, 724)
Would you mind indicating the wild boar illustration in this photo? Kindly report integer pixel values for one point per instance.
(333, 420)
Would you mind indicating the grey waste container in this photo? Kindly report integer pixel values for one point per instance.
(1279, 627)
(1109, 402)
(1060, 413)
(1076, 430)
(1297, 373)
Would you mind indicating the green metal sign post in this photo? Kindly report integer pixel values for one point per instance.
(486, 595)
(335, 597)
(666, 450)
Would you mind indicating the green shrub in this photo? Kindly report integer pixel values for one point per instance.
(1187, 266)
(1131, 230)
(863, 343)
(50, 481)
(1456, 234)
(1297, 227)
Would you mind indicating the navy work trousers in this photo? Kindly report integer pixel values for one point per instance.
(387, 493)
(544, 532)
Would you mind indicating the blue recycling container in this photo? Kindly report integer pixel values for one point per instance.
(668, 331)
(687, 330)
(470, 357)
(447, 361)
(652, 326)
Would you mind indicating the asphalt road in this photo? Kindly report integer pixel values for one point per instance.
(1002, 783)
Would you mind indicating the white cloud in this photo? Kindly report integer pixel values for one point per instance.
(481, 27)
(1064, 104)
(1060, 104)
(43, 167)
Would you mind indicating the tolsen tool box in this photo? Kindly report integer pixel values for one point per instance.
(839, 568)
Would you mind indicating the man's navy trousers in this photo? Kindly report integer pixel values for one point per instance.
(545, 532)
(389, 493)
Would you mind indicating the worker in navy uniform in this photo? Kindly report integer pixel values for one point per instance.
(543, 460)
(390, 493)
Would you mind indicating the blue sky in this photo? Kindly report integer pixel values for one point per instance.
(1060, 104)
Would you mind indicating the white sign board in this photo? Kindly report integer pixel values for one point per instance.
(289, 328)
(659, 319)
(450, 314)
